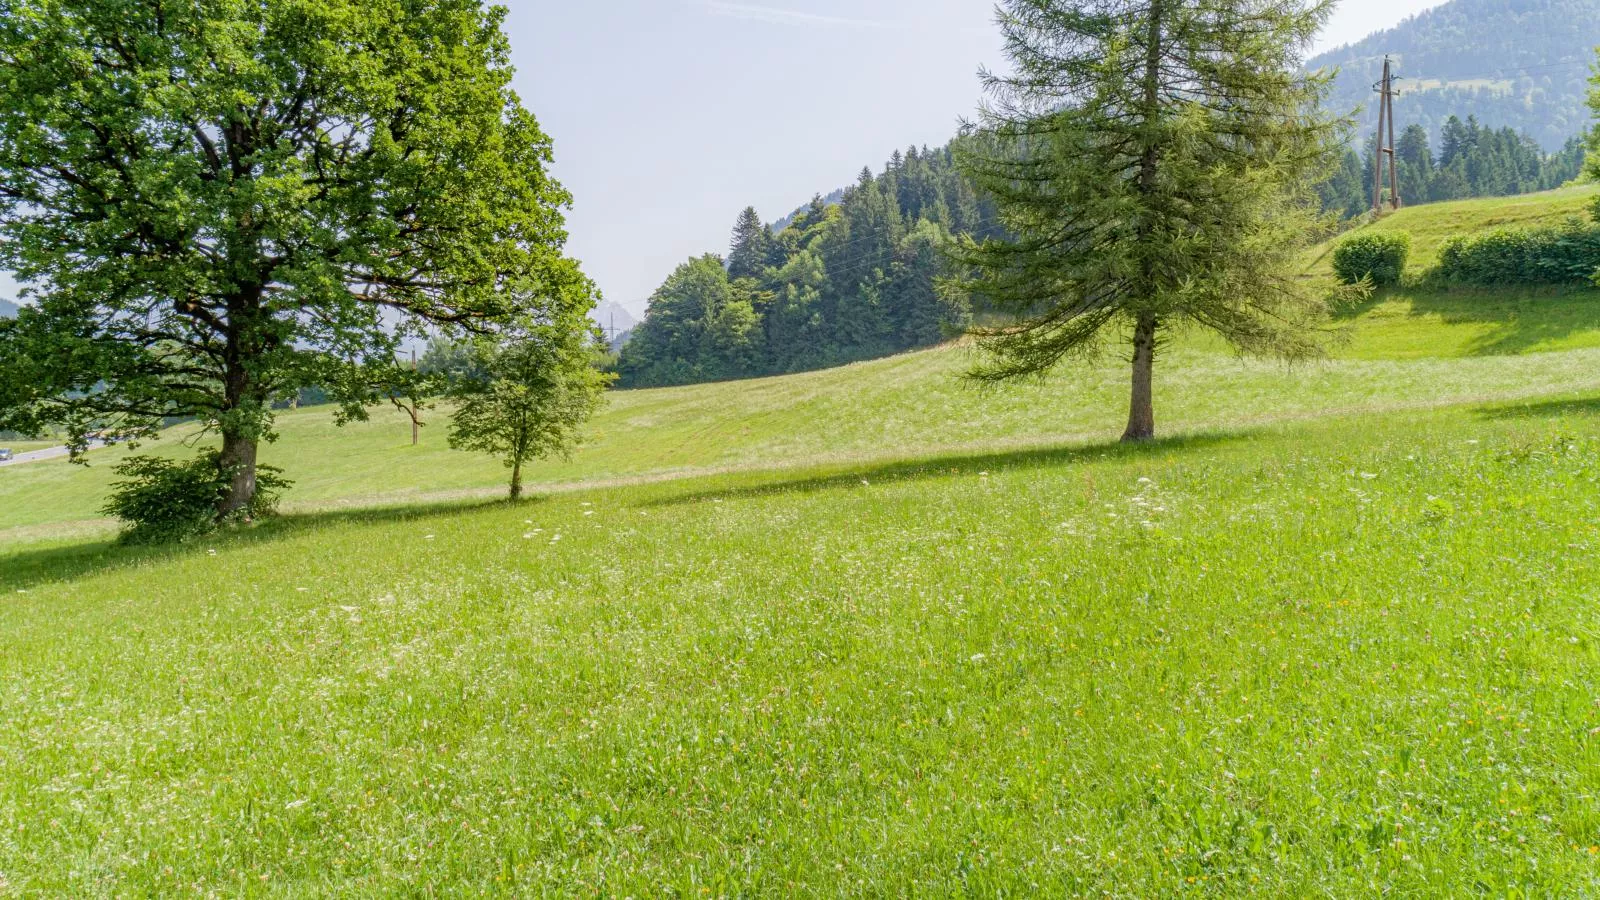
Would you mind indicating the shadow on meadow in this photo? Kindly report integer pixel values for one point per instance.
(1519, 319)
(955, 464)
(26, 568)
(1542, 409)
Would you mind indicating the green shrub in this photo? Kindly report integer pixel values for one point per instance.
(163, 500)
(1376, 255)
(1566, 254)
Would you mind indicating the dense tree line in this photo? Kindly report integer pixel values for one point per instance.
(840, 282)
(1473, 160)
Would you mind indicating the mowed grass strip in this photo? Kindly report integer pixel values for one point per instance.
(1335, 659)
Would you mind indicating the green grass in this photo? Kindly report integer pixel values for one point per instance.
(1333, 659)
(871, 631)
(1419, 320)
(888, 409)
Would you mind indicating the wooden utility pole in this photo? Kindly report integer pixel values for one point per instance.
(1385, 143)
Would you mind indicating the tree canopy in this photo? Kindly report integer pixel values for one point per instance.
(832, 283)
(220, 202)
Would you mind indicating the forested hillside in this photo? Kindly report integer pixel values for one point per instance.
(1473, 160)
(1493, 103)
(1522, 64)
(843, 282)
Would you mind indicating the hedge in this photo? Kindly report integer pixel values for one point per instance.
(1376, 255)
(1566, 254)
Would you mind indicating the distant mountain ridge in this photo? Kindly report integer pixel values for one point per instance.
(1518, 63)
(8, 310)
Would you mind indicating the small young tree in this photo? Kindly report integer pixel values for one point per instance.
(1154, 162)
(524, 396)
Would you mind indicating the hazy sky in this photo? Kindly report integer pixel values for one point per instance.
(670, 116)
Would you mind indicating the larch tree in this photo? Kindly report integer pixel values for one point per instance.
(216, 203)
(1154, 165)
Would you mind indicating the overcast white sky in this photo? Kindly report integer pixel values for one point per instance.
(670, 116)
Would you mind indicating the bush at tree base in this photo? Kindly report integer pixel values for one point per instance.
(163, 500)
(1376, 255)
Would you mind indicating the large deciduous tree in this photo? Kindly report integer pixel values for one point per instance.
(219, 202)
(1154, 162)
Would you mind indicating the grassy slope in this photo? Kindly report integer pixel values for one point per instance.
(891, 408)
(1333, 659)
(1340, 641)
(1417, 322)
(1402, 352)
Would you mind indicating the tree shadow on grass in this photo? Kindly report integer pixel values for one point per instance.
(845, 477)
(25, 568)
(1542, 409)
(1517, 319)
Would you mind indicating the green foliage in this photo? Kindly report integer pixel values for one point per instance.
(1475, 161)
(1114, 154)
(1378, 256)
(221, 203)
(701, 326)
(836, 283)
(1569, 254)
(162, 500)
(525, 395)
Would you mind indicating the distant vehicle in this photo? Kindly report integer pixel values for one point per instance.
(6, 455)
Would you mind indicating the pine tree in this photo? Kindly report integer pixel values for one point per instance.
(752, 245)
(1154, 160)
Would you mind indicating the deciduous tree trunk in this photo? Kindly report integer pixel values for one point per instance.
(239, 459)
(1141, 411)
(516, 480)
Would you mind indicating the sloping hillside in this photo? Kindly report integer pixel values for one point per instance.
(1406, 349)
(1518, 63)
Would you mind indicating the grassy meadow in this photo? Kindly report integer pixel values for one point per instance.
(871, 631)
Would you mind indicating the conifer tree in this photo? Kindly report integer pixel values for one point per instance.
(1154, 161)
(752, 245)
